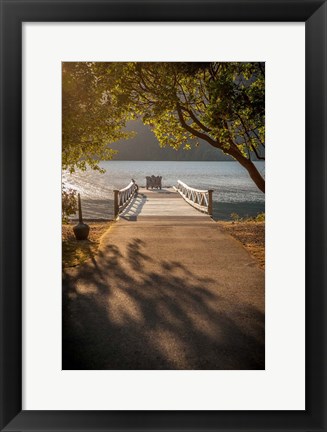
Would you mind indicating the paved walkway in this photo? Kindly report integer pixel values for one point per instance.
(164, 292)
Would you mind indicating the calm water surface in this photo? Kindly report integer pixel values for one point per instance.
(234, 191)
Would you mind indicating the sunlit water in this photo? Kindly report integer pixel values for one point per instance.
(234, 191)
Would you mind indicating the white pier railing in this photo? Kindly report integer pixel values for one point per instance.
(199, 199)
(123, 196)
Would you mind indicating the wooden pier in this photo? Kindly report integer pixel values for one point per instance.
(160, 203)
(181, 201)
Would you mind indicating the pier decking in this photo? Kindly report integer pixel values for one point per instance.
(163, 203)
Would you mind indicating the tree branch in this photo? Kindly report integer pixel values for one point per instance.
(196, 120)
(261, 68)
(194, 132)
(255, 133)
(251, 145)
(256, 153)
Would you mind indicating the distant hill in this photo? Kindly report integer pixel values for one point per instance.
(145, 146)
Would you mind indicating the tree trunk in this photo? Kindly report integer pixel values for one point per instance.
(232, 150)
(249, 166)
(253, 172)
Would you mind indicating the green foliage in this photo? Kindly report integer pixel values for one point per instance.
(260, 217)
(236, 109)
(235, 217)
(221, 103)
(69, 203)
(90, 121)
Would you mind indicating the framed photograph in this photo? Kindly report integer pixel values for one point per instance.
(156, 273)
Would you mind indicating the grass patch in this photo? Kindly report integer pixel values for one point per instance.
(251, 234)
(260, 217)
(76, 252)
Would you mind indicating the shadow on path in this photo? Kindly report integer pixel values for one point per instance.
(125, 310)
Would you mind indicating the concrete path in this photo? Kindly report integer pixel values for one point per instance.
(165, 292)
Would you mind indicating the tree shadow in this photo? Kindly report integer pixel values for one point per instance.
(126, 310)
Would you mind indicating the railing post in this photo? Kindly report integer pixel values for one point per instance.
(210, 191)
(116, 203)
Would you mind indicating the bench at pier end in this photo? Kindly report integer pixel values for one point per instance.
(153, 182)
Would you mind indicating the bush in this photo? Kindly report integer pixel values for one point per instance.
(235, 217)
(69, 203)
(260, 217)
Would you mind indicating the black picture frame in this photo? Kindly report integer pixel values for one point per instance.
(13, 14)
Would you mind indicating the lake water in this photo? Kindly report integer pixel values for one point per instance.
(234, 191)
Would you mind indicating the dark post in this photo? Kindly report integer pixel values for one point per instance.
(81, 230)
(136, 185)
(80, 217)
(210, 191)
(116, 203)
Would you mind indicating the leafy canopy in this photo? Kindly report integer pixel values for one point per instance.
(221, 103)
(89, 121)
